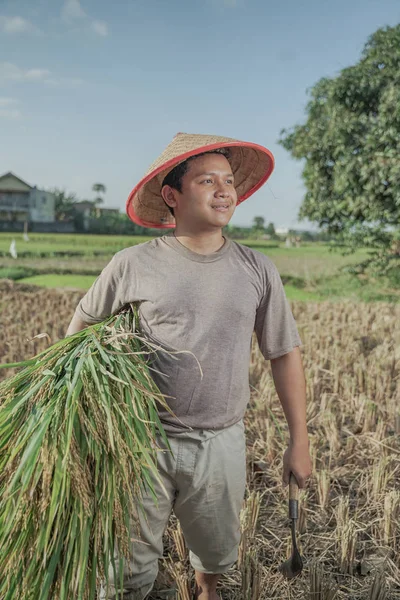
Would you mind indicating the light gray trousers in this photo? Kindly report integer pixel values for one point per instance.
(205, 479)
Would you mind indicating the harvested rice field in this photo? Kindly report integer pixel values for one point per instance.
(349, 521)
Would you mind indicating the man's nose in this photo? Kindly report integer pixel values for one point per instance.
(222, 191)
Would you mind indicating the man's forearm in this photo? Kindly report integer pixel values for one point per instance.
(75, 325)
(288, 374)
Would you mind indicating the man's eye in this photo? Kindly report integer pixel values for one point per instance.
(230, 180)
(206, 180)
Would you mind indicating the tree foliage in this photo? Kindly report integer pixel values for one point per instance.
(259, 223)
(270, 229)
(119, 224)
(351, 147)
(100, 189)
(64, 205)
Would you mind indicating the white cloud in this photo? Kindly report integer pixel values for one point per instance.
(12, 73)
(100, 27)
(7, 108)
(15, 25)
(72, 9)
(35, 74)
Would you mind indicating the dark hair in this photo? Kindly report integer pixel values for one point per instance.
(174, 177)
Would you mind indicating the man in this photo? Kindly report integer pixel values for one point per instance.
(203, 293)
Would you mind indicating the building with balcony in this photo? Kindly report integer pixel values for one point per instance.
(21, 202)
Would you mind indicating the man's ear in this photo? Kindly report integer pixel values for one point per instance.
(168, 195)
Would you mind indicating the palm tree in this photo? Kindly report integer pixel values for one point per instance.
(99, 188)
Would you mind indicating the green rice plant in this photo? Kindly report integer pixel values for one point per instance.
(78, 427)
(16, 272)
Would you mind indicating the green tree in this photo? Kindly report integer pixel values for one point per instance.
(270, 229)
(64, 207)
(350, 144)
(99, 188)
(307, 236)
(257, 229)
(258, 223)
(235, 232)
(120, 224)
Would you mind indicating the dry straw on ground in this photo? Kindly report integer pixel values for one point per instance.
(349, 526)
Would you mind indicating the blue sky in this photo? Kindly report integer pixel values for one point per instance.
(93, 91)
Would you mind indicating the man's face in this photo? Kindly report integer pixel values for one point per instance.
(208, 198)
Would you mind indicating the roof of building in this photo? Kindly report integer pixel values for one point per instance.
(17, 184)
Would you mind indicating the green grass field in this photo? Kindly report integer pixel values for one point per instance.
(310, 272)
(50, 244)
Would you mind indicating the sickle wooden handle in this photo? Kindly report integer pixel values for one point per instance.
(293, 497)
(293, 488)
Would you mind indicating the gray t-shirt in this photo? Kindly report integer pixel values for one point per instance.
(206, 304)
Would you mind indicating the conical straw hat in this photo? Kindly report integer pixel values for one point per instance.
(251, 165)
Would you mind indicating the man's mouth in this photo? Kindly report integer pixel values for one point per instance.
(220, 207)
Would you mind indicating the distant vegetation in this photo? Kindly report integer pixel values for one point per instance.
(309, 270)
(350, 145)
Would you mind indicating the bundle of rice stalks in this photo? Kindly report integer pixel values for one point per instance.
(78, 428)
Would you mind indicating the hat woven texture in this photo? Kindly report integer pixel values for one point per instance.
(251, 165)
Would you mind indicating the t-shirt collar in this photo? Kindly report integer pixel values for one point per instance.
(172, 242)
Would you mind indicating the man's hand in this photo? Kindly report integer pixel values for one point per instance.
(75, 325)
(297, 460)
(288, 374)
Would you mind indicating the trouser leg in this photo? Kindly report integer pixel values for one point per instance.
(147, 548)
(208, 504)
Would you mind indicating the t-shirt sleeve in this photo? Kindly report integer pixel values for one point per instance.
(106, 295)
(275, 327)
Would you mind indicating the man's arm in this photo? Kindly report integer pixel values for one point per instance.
(288, 374)
(75, 325)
